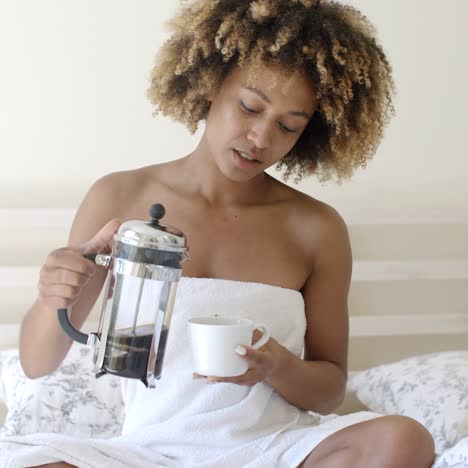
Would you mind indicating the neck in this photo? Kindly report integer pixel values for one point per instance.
(203, 179)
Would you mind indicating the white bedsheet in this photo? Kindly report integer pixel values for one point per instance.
(454, 457)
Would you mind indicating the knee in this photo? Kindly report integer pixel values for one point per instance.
(405, 442)
(55, 465)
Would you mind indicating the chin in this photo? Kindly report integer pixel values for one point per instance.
(238, 177)
(236, 174)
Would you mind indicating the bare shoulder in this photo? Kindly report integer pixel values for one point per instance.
(114, 195)
(119, 184)
(329, 243)
(325, 222)
(117, 192)
(318, 227)
(313, 215)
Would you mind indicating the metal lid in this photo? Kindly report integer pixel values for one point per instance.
(152, 234)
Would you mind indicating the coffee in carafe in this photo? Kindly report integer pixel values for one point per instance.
(128, 351)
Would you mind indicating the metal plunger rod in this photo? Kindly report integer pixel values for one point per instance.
(137, 307)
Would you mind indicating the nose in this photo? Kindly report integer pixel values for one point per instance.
(260, 134)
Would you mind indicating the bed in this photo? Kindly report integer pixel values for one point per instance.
(408, 327)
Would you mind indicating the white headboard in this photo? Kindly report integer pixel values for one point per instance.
(409, 292)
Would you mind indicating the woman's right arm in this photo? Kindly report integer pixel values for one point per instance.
(68, 279)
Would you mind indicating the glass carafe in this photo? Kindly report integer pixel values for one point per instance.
(144, 269)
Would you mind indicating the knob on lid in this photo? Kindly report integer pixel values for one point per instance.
(152, 234)
(157, 211)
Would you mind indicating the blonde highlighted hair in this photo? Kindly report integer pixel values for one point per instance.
(333, 43)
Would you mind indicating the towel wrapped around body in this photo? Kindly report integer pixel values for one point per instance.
(187, 422)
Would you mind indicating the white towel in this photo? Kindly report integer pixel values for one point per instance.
(187, 422)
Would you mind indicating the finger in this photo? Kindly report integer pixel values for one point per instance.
(251, 355)
(101, 239)
(257, 334)
(56, 302)
(249, 378)
(235, 380)
(60, 290)
(51, 276)
(69, 259)
(198, 376)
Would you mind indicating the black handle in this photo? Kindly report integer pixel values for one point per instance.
(64, 321)
(69, 329)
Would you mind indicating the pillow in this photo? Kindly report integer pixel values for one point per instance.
(68, 401)
(431, 388)
(454, 457)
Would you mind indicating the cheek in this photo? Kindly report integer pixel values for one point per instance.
(223, 108)
(233, 117)
(224, 119)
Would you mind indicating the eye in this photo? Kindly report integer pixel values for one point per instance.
(286, 129)
(245, 108)
(253, 111)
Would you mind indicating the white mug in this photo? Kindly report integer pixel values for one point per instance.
(213, 342)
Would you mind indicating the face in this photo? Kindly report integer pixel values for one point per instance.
(253, 124)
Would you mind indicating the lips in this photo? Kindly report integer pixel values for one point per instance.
(249, 156)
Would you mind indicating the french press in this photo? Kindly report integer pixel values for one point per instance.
(144, 269)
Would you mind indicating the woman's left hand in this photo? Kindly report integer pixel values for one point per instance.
(263, 363)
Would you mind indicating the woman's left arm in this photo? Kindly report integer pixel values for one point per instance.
(318, 382)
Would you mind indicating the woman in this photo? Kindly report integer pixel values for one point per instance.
(301, 84)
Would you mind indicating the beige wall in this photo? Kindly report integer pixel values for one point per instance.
(72, 84)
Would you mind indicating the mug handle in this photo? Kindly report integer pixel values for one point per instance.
(266, 335)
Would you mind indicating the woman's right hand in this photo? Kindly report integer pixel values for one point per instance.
(65, 271)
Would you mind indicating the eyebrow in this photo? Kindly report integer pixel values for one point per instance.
(266, 99)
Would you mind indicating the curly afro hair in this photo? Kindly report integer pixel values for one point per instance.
(332, 42)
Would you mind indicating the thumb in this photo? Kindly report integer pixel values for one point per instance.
(102, 238)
